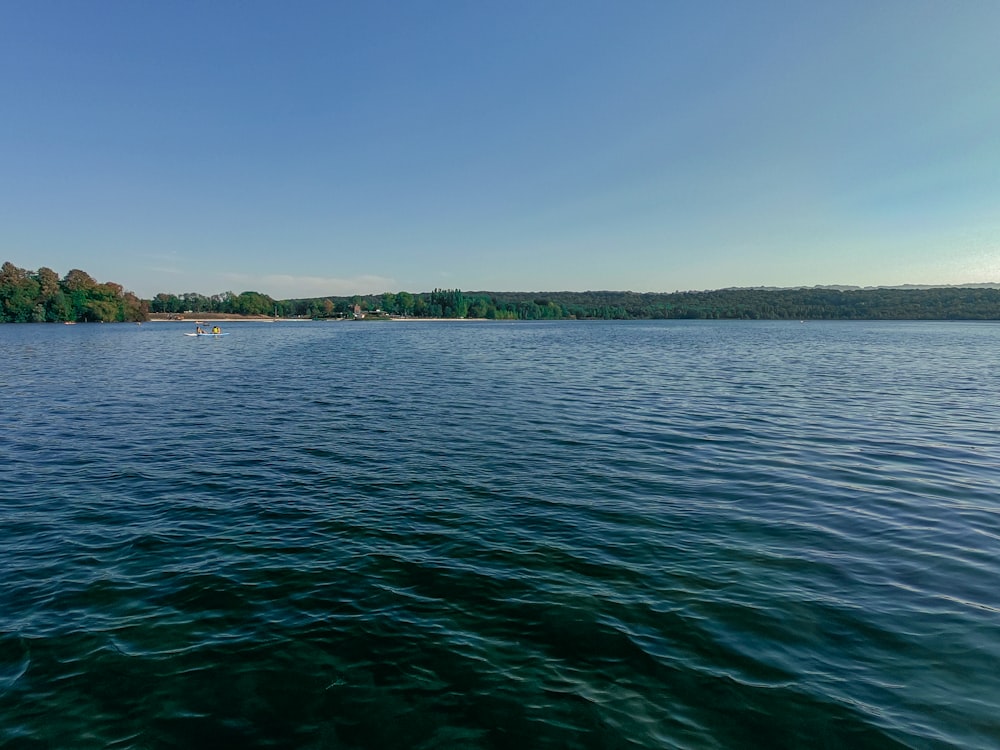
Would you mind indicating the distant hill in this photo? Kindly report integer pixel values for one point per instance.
(981, 285)
(851, 288)
(974, 302)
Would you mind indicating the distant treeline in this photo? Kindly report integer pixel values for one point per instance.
(42, 297)
(762, 304)
(748, 304)
(942, 303)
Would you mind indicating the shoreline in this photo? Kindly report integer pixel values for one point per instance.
(250, 319)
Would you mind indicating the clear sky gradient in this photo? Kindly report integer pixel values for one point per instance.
(304, 149)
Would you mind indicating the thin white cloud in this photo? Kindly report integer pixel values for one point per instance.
(286, 286)
(164, 269)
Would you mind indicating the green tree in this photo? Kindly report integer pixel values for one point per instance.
(253, 303)
(18, 294)
(404, 303)
(388, 304)
(50, 295)
(77, 285)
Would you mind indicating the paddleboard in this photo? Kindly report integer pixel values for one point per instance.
(224, 333)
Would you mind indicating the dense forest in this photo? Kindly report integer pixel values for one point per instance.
(942, 303)
(42, 296)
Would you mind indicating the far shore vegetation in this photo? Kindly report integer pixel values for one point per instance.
(43, 296)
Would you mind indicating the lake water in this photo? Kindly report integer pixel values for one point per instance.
(500, 535)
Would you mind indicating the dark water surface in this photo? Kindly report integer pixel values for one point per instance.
(487, 535)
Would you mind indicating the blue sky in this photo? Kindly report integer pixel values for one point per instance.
(325, 148)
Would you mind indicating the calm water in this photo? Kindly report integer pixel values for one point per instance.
(479, 535)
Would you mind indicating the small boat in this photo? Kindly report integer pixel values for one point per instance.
(208, 333)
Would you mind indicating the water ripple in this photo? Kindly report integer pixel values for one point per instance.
(655, 535)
